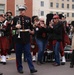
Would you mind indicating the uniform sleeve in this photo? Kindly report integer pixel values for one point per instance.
(31, 26)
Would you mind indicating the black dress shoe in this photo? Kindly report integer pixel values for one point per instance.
(20, 71)
(1, 73)
(33, 71)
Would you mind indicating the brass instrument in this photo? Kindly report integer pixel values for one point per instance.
(18, 31)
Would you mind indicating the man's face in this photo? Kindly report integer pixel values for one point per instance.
(22, 12)
(9, 14)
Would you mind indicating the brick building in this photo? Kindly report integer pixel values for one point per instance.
(12, 5)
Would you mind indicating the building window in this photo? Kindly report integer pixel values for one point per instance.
(72, 6)
(67, 14)
(42, 3)
(72, 14)
(62, 5)
(68, 6)
(2, 7)
(72, 0)
(57, 5)
(51, 4)
(42, 13)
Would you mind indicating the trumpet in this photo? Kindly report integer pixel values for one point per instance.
(18, 26)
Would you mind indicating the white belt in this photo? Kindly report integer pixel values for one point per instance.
(23, 30)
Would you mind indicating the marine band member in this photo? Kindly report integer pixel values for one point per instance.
(22, 40)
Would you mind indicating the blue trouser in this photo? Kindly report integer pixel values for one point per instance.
(41, 46)
(19, 49)
(56, 48)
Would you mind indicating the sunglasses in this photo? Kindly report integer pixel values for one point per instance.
(21, 9)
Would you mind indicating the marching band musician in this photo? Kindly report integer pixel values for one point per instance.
(65, 41)
(23, 27)
(4, 41)
(9, 18)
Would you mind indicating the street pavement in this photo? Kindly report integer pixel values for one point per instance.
(44, 69)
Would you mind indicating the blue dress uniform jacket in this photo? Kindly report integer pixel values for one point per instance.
(25, 23)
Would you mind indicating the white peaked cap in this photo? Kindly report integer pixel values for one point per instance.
(24, 7)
